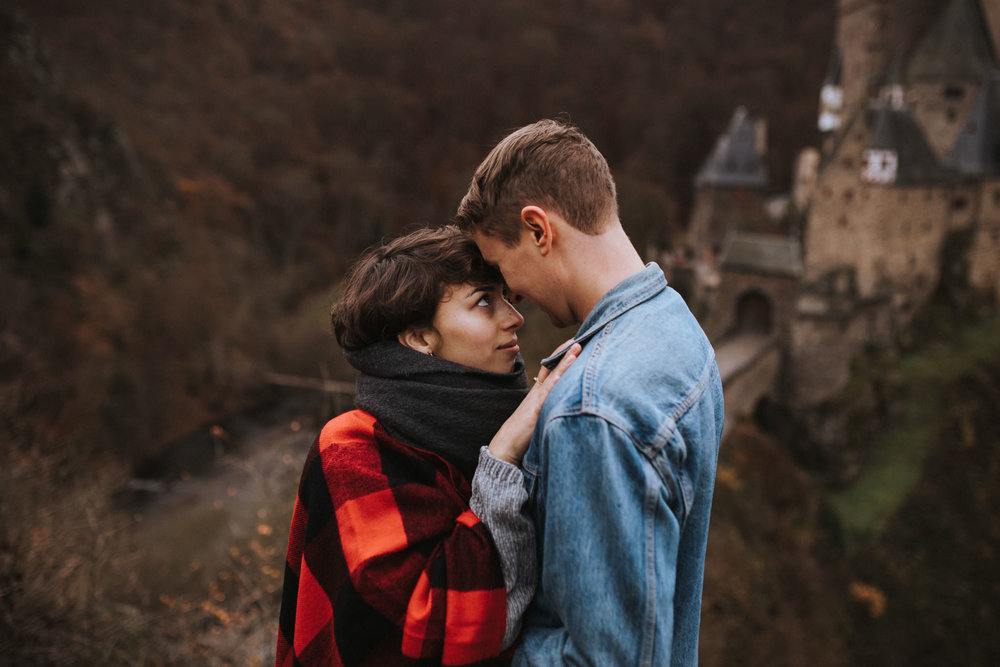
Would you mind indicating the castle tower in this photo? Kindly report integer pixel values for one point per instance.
(879, 213)
(945, 70)
(872, 204)
(976, 151)
(729, 186)
(863, 48)
(976, 154)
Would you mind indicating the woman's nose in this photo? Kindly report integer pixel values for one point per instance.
(512, 318)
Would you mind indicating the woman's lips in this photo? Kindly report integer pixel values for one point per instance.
(510, 347)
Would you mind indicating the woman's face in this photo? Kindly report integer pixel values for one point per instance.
(476, 326)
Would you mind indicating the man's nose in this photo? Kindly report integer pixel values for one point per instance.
(515, 298)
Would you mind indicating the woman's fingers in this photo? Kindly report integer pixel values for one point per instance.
(511, 441)
(544, 371)
(547, 378)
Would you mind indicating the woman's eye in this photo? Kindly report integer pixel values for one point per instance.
(483, 301)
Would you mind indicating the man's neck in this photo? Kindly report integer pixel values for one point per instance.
(598, 264)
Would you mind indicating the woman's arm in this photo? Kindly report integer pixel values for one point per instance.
(499, 499)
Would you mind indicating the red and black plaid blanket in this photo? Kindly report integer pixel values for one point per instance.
(386, 564)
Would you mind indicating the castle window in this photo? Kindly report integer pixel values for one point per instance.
(959, 203)
(953, 92)
(879, 166)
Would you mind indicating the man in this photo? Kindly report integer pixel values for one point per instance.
(621, 467)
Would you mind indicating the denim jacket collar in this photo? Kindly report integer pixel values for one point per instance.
(621, 298)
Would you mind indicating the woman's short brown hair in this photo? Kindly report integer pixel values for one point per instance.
(399, 284)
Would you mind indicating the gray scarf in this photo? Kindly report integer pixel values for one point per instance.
(433, 404)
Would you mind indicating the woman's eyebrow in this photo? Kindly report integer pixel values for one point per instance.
(476, 289)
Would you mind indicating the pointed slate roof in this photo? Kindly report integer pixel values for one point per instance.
(957, 48)
(762, 253)
(894, 128)
(977, 149)
(735, 161)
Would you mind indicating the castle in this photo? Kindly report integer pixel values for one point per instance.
(903, 191)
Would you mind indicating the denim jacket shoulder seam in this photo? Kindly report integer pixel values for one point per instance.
(585, 412)
(590, 370)
(587, 407)
(640, 296)
(696, 392)
(670, 425)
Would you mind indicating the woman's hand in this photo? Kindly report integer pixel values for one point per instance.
(512, 440)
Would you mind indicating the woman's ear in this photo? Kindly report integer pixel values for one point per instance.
(420, 339)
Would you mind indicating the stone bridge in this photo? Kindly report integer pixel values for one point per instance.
(748, 363)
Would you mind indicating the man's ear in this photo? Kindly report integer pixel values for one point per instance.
(538, 224)
(421, 339)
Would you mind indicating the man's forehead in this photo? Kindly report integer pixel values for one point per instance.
(490, 248)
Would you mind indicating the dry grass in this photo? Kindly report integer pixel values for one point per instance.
(192, 577)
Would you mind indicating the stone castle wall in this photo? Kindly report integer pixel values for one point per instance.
(889, 236)
(717, 210)
(823, 344)
(780, 293)
(984, 256)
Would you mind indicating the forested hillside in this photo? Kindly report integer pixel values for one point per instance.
(180, 176)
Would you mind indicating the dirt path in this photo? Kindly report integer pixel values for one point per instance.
(209, 546)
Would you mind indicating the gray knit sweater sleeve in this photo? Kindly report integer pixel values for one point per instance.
(500, 500)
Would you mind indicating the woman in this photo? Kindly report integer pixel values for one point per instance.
(409, 542)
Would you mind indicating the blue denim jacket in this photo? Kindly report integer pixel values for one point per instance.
(621, 471)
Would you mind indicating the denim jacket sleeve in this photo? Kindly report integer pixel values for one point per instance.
(609, 531)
